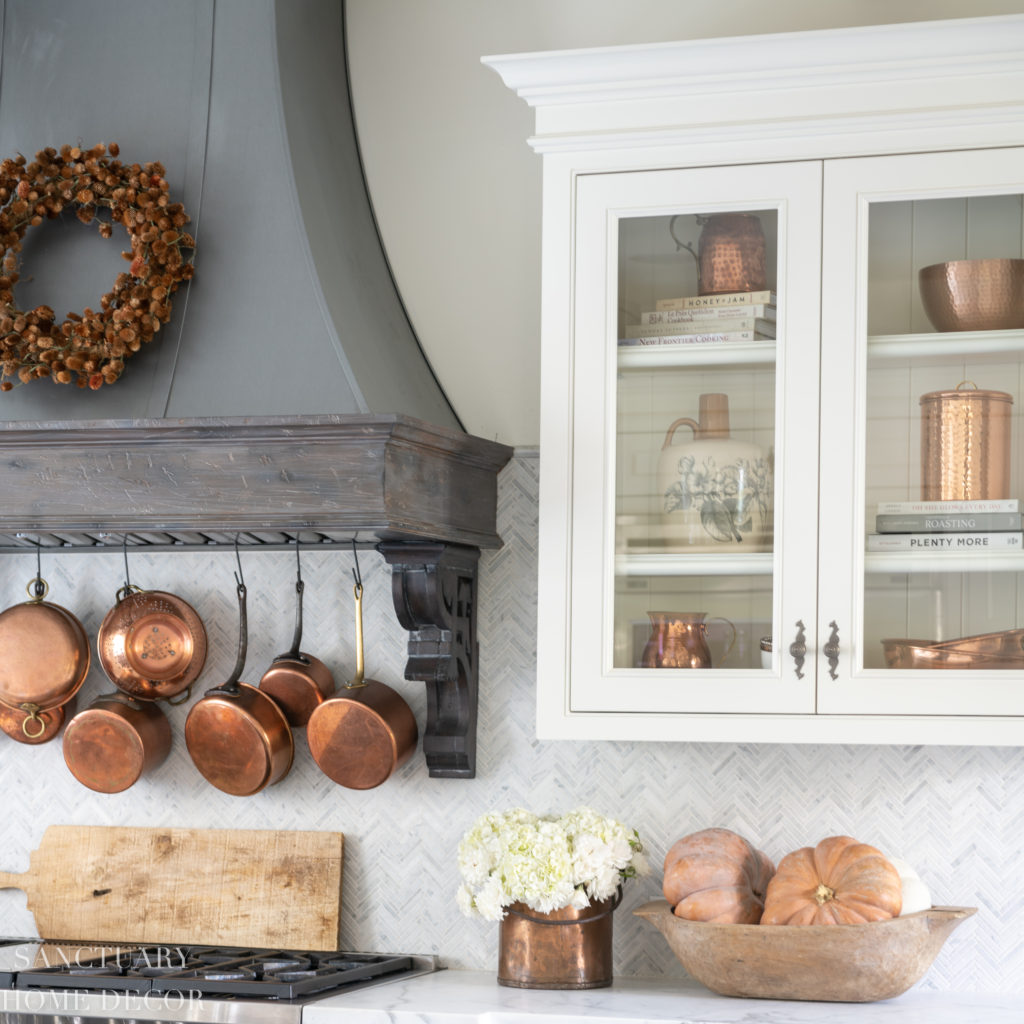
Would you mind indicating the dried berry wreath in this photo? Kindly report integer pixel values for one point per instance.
(89, 349)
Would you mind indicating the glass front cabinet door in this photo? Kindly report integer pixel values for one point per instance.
(782, 437)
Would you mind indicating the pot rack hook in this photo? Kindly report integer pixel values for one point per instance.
(38, 587)
(124, 552)
(239, 578)
(356, 574)
(299, 584)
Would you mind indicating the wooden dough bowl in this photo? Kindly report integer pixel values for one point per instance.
(850, 963)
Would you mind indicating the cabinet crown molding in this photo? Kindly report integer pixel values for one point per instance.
(792, 82)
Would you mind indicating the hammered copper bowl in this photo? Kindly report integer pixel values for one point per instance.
(974, 295)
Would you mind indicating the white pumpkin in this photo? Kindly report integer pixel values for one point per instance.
(915, 893)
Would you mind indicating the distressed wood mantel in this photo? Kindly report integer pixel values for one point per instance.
(424, 496)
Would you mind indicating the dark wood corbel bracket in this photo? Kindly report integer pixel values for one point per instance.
(434, 587)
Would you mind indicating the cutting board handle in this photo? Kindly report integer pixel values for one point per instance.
(10, 881)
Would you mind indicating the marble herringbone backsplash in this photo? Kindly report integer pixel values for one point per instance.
(956, 813)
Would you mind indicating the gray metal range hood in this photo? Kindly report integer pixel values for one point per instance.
(293, 310)
(287, 401)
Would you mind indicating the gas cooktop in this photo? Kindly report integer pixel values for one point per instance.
(59, 981)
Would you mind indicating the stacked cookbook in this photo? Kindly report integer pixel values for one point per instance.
(703, 319)
(981, 525)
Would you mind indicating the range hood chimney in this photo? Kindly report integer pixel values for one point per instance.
(293, 309)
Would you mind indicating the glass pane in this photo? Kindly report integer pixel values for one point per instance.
(695, 432)
(942, 443)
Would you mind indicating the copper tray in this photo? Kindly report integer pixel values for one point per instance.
(984, 651)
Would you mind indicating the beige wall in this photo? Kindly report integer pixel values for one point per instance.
(457, 190)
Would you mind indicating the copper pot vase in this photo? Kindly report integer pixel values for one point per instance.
(564, 949)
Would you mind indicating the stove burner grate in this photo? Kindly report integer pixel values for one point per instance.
(205, 970)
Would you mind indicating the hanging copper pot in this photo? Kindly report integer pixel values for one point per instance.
(236, 735)
(42, 727)
(116, 740)
(44, 658)
(152, 645)
(363, 734)
(296, 681)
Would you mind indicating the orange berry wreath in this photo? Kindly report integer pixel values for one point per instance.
(89, 349)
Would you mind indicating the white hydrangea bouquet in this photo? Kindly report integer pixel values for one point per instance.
(544, 861)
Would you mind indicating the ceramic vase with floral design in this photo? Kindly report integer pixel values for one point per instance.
(715, 490)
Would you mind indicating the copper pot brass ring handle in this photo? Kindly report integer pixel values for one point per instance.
(32, 715)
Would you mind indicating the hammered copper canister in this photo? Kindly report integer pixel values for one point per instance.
(965, 444)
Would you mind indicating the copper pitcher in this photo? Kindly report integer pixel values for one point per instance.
(730, 253)
(680, 640)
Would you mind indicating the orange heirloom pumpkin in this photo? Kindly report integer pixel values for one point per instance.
(839, 881)
(716, 875)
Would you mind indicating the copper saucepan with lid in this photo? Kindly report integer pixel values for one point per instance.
(152, 645)
(297, 681)
(236, 735)
(114, 741)
(44, 659)
(363, 734)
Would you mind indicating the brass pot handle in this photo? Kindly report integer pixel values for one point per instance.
(32, 715)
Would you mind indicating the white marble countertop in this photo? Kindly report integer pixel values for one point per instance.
(461, 997)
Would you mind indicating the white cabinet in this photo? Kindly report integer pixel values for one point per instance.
(712, 467)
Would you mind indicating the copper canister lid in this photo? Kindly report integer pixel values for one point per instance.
(965, 396)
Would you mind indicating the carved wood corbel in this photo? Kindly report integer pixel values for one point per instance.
(434, 588)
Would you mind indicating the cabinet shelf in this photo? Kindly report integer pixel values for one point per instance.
(955, 346)
(943, 561)
(712, 563)
(733, 353)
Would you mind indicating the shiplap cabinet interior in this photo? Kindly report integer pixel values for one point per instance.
(861, 156)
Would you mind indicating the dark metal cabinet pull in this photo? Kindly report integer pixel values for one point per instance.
(832, 650)
(798, 648)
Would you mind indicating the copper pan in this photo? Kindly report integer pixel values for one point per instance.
(152, 645)
(236, 735)
(363, 734)
(44, 657)
(296, 681)
(114, 741)
(34, 729)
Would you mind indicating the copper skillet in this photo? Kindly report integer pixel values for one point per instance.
(363, 734)
(152, 645)
(298, 682)
(44, 659)
(236, 735)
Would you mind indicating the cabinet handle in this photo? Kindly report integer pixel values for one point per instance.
(832, 650)
(798, 648)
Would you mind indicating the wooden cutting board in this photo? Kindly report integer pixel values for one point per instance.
(224, 887)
